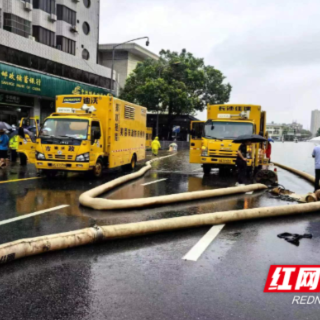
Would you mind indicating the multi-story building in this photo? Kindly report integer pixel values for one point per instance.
(315, 122)
(126, 58)
(47, 47)
(285, 131)
(275, 130)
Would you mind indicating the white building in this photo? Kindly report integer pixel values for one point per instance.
(47, 47)
(315, 122)
(287, 131)
(275, 130)
(127, 56)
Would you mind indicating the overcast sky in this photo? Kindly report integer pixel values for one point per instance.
(269, 50)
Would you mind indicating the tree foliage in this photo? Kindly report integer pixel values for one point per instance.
(178, 83)
(306, 133)
(318, 133)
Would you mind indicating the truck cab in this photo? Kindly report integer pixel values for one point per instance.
(71, 142)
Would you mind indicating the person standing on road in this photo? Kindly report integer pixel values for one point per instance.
(242, 163)
(269, 149)
(4, 141)
(173, 146)
(316, 156)
(155, 146)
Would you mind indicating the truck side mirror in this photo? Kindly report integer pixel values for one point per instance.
(21, 133)
(96, 135)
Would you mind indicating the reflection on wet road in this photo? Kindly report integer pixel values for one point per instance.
(109, 280)
(175, 175)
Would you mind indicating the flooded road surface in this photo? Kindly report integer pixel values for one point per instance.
(146, 277)
(296, 155)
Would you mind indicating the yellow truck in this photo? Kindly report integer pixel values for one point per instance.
(90, 132)
(211, 140)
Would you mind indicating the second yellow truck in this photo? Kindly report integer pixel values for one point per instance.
(211, 141)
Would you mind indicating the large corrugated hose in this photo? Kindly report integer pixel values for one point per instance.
(302, 174)
(89, 198)
(33, 246)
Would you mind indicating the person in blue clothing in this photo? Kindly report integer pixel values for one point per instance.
(316, 156)
(4, 145)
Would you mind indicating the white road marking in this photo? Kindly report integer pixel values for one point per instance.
(197, 169)
(197, 250)
(145, 184)
(249, 192)
(32, 214)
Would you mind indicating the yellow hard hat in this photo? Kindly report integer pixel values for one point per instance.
(156, 138)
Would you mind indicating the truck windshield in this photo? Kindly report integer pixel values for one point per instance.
(227, 130)
(65, 128)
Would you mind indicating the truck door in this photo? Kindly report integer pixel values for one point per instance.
(27, 144)
(97, 146)
(195, 141)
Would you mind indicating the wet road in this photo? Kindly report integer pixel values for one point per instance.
(146, 277)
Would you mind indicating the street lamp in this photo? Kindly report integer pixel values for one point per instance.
(113, 53)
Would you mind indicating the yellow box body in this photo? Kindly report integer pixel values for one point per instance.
(122, 128)
(149, 138)
(223, 153)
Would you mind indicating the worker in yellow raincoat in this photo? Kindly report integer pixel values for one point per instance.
(155, 146)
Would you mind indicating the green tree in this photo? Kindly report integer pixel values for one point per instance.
(178, 83)
(306, 133)
(318, 133)
(285, 132)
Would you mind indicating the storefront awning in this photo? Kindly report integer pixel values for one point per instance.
(24, 81)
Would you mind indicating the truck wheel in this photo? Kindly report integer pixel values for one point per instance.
(206, 169)
(23, 159)
(97, 169)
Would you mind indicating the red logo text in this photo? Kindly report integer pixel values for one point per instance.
(293, 279)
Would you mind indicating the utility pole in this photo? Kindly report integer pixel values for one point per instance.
(113, 56)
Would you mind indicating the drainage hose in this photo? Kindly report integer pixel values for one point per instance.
(89, 198)
(304, 175)
(33, 246)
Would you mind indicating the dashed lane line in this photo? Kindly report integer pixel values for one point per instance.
(145, 184)
(32, 214)
(9, 181)
(197, 169)
(196, 251)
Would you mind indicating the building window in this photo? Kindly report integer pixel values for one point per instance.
(43, 35)
(85, 54)
(16, 25)
(66, 45)
(87, 3)
(66, 14)
(45, 5)
(86, 28)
